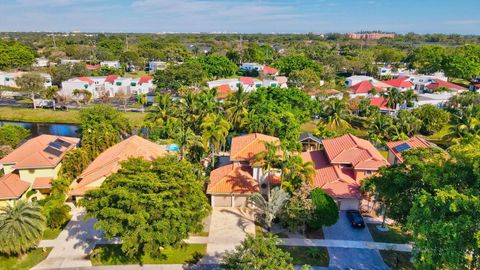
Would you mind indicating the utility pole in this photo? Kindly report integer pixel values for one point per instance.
(126, 40)
(53, 37)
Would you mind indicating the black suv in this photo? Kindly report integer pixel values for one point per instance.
(355, 219)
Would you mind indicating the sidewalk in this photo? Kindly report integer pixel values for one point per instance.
(345, 244)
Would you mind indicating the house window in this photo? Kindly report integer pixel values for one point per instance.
(85, 86)
(118, 83)
(274, 84)
(258, 85)
(133, 84)
(368, 172)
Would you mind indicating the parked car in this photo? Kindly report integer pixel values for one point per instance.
(355, 218)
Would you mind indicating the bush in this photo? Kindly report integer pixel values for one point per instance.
(56, 211)
(12, 135)
(325, 209)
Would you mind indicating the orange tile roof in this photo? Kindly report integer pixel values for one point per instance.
(440, 83)
(339, 183)
(401, 82)
(414, 142)
(281, 79)
(349, 149)
(31, 154)
(145, 79)
(232, 178)
(42, 182)
(270, 70)
(380, 102)
(85, 79)
(364, 87)
(111, 78)
(244, 148)
(11, 187)
(223, 91)
(108, 162)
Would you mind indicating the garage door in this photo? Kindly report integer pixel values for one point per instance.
(348, 204)
(240, 201)
(221, 201)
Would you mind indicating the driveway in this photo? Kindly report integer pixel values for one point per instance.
(73, 244)
(228, 228)
(351, 258)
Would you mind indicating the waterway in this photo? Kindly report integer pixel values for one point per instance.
(47, 128)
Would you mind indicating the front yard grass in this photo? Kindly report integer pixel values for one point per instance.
(397, 260)
(314, 234)
(314, 256)
(260, 231)
(394, 235)
(113, 255)
(32, 258)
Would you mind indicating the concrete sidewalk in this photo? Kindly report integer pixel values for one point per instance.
(345, 244)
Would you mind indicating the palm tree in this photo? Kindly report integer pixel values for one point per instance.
(142, 100)
(163, 112)
(393, 96)
(268, 159)
(237, 108)
(296, 172)
(214, 132)
(409, 97)
(337, 113)
(271, 208)
(52, 93)
(380, 128)
(186, 139)
(21, 227)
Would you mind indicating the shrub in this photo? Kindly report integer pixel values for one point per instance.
(325, 209)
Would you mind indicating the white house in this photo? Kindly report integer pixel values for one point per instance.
(353, 80)
(111, 64)
(251, 66)
(41, 62)
(153, 66)
(142, 85)
(80, 83)
(8, 78)
(279, 81)
(385, 71)
(70, 61)
(232, 83)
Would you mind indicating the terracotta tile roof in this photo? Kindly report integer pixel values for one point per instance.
(349, 149)
(244, 148)
(85, 79)
(381, 84)
(270, 70)
(401, 82)
(414, 142)
(93, 66)
(274, 179)
(440, 83)
(42, 182)
(246, 80)
(281, 79)
(111, 78)
(339, 183)
(380, 102)
(223, 91)
(145, 79)
(108, 162)
(232, 178)
(11, 187)
(32, 153)
(364, 87)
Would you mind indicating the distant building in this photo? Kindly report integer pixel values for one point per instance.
(153, 66)
(395, 149)
(70, 61)
(370, 36)
(111, 64)
(251, 66)
(41, 62)
(8, 78)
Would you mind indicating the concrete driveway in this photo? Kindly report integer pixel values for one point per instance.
(228, 228)
(352, 258)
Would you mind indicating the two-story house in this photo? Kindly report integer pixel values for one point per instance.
(32, 166)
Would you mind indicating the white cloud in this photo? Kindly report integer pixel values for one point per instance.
(464, 22)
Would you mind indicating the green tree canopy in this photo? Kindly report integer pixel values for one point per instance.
(325, 211)
(14, 54)
(433, 118)
(190, 73)
(12, 135)
(287, 64)
(218, 66)
(149, 205)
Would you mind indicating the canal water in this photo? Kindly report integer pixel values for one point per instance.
(46, 128)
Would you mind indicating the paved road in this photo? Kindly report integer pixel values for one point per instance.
(228, 228)
(354, 258)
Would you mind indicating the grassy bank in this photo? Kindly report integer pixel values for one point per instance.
(58, 117)
(113, 255)
(397, 260)
(32, 258)
(393, 235)
(314, 256)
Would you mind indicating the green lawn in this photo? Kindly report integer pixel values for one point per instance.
(113, 255)
(394, 235)
(397, 260)
(32, 258)
(50, 234)
(308, 127)
(51, 116)
(259, 231)
(314, 256)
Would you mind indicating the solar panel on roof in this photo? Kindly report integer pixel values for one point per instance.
(53, 151)
(402, 147)
(62, 143)
(54, 144)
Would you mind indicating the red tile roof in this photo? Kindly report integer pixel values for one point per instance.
(42, 182)
(223, 91)
(380, 102)
(349, 149)
(414, 142)
(11, 187)
(31, 154)
(85, 79)
(281, 79)
(145, 79)
(232, 178)
(246, 80)
(400, 82)
(244, 148)
(108, 162)
(364, 87)
(93, 66)
(339, 183)
(440, 83)
(270, 70)
(111, 78)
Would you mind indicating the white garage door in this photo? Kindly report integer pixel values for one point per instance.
(221, 201)
(348, 204)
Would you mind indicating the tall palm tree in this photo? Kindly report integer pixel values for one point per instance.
(52, 93)
(380, 128)
(163, 112)
(21, 227)
(269, 159)
(214, 133)
(237, 108)
(270, 208)
(336, 114)
(296, 172)
(186, 138)
(394, 97)
(142, 100)
(409, 97)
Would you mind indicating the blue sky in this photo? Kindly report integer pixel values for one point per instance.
(247, 16)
